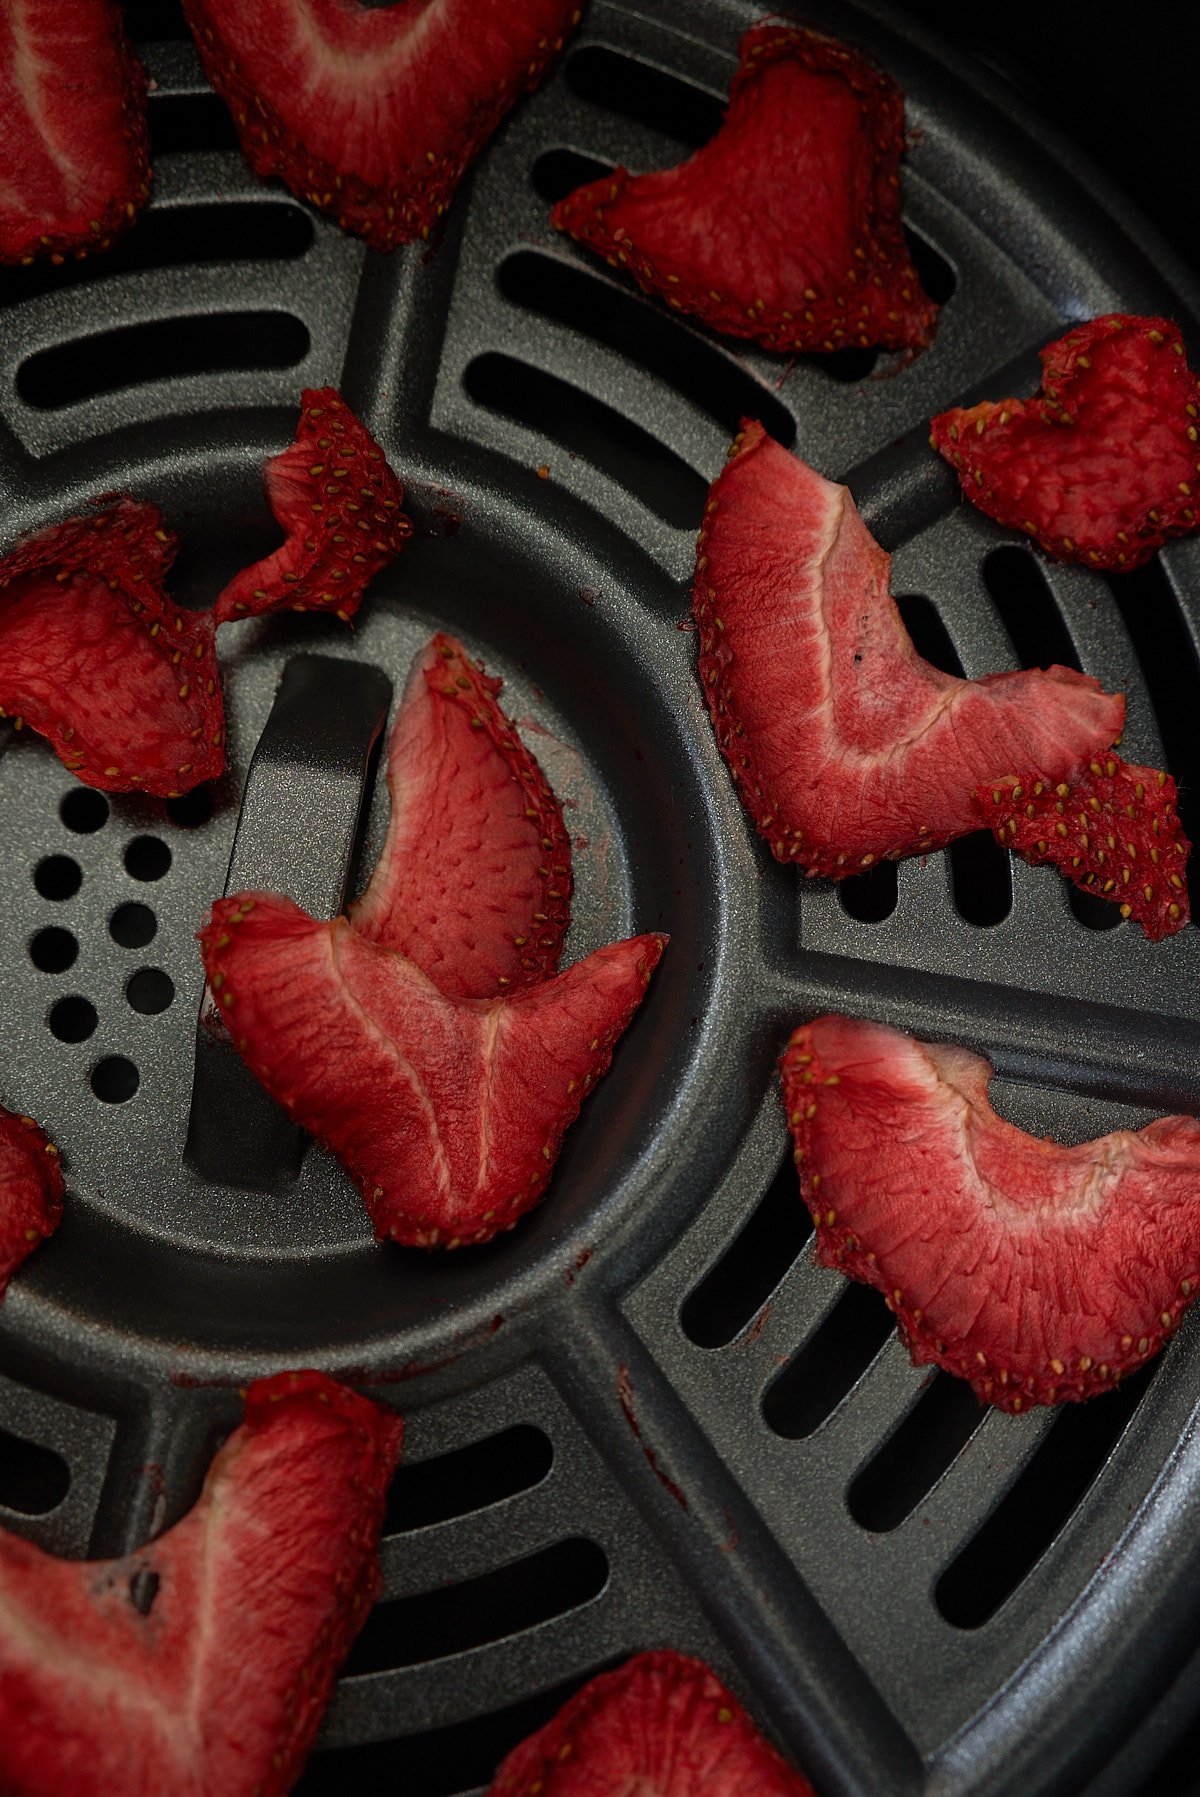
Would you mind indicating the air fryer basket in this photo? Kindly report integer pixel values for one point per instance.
(644, 1417)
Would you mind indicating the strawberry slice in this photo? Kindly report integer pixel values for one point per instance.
(93, 655)
(1105, 465)
(374, 115)
(846, 745)
(1112, 828)
(338, 502)
(1038, 1273)
(474, 880)
(31, 1191)
(448, 1113)
(786, 227)
(203, 1663)
(74, 149)
(662, 1725)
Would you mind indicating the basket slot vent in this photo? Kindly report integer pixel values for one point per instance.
(154, 21)
(484, 1472)
(556, 173)
(815, 1381)
(409, 1631)
(164, 349)
(586, 427)
(930, 637)
(663, 103)
(934, 272)
(184, 123)
(734, 1291)
(33, 1480)
(1037, 1506)
(914, 1456)
(1165, 650)
(645, 336)
(179, 236)
(1092, 912)
(870, 897)
(1028, 610)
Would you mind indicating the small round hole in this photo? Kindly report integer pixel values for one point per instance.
(72, 1019)
(114, 1079)
(133, 926)
(150, 991)
(53, 951)
(147, 858)
(58, 877)
(193, 809)
(84, 810)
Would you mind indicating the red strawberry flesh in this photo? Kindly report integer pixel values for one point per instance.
(1105, 465)
(74, 150)
(93, 656)
(31, 1191)
(846, 746)
(661, 1725)
(447, 1113)
(374, 114)
(1112, 828)
(474, 880)
(1036, 1272)
(786, 227)
(259, 1592)
(338, 501)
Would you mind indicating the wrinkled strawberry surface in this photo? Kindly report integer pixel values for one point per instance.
(31, 1191)
(1038, 1273)
(786, 228)
(1104, 466)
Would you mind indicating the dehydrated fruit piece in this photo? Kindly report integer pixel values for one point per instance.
(846, 746)
(203, 1663)
(1111, 827)
(1105, 465)
(1038, 1273)
(93, 656)
(662, 1724)
(337, 500)
(374, 115)
(786, 227)
(31, 1191)
(447, 1113)
(474, 879)
(74, 149)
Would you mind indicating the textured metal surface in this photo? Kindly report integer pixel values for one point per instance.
(644, 1417)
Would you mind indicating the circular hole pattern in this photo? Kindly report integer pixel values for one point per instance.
(133, 926)
(193, 809)
(53, 950)
(147, 858)
(150, 991)
(58, 877)
(73, 1019)
(84, 810)
(114, 1079)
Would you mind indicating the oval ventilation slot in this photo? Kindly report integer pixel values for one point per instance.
(914, 1456)
(872, 896)
(33, 1480)
(815, 1381)
(408, 1631)
(166, 349)
(647, 95)
(556, 173)
(1028, 609)
(469, 1478)
(1036, 1507)
(152, 21)
(190, 123)
(933, 271)
(586, 427)
(729, 1296)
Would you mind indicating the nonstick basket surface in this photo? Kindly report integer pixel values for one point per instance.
(645, 1417)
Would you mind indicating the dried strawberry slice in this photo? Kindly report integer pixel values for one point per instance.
(661, 1724)
(474, 880)
(337, 500)
(1038, 1273)
(95, 657)
(1112, 828)
(204, 1662)
(786, 227)
(846, 746)
(31, 1191)
(374, 115)
(448, 1113)
(74, 149)
(1105, 466)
